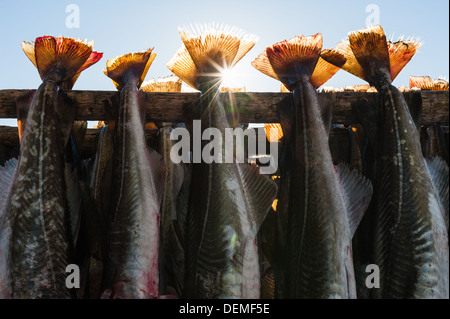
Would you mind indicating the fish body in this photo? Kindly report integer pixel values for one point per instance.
(34, 228)
(131, 269)
(223, 218)
(319, 238)
(226, 202)
(411, 237)
(410, 233)
(168, 248)
(319, 204)
(35, 231)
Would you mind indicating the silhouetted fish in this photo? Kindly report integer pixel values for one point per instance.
(411, 240)
(227, 202)
(34, 229)
(131, 269)
(320, 205)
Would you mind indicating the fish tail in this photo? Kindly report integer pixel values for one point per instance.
(371, 51)
(129, 67)
(184, 67)
(291, 61)
(400, 53)
(371, 57)
(325, 71)
(60, 59)
(212, 46)
(93, 58)
(207, 51)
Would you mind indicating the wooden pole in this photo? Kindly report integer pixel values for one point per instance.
(249, 107)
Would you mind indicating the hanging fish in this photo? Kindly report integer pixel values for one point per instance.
(411, 239)
(174, 180)
(34, 234)
(131, 269)
(320, 205)
(227, 202)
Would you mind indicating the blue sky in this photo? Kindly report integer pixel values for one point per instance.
(119, 27)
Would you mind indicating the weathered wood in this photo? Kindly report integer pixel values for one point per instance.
(9, 137)
(339, 139)
(250, 107)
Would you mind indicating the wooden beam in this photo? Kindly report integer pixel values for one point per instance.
(9, 138)
(251, 107)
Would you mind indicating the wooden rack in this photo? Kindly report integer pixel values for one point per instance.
(175, 107)
(250, 107)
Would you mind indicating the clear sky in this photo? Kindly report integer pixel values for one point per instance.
(119, 27)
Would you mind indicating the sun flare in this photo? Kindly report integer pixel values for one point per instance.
(230, 78)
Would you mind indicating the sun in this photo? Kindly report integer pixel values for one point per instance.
(230, 78)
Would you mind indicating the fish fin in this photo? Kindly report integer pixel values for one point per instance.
(213, 48)
(326, 107)
(357, 194)
(291, 61)
(28, 49)
(400, 53)
(343, 53)
(159, 173)
(439, 174)
(370, 48)
(22, 107)
(59, 59)
(7, 172)
(366, 112)
(325, 71)
(261, 192)
(414, 101)
(182, 65)
(131, 66)
(93, 58)
(262, 64)
(168, 84)
(66, 110)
